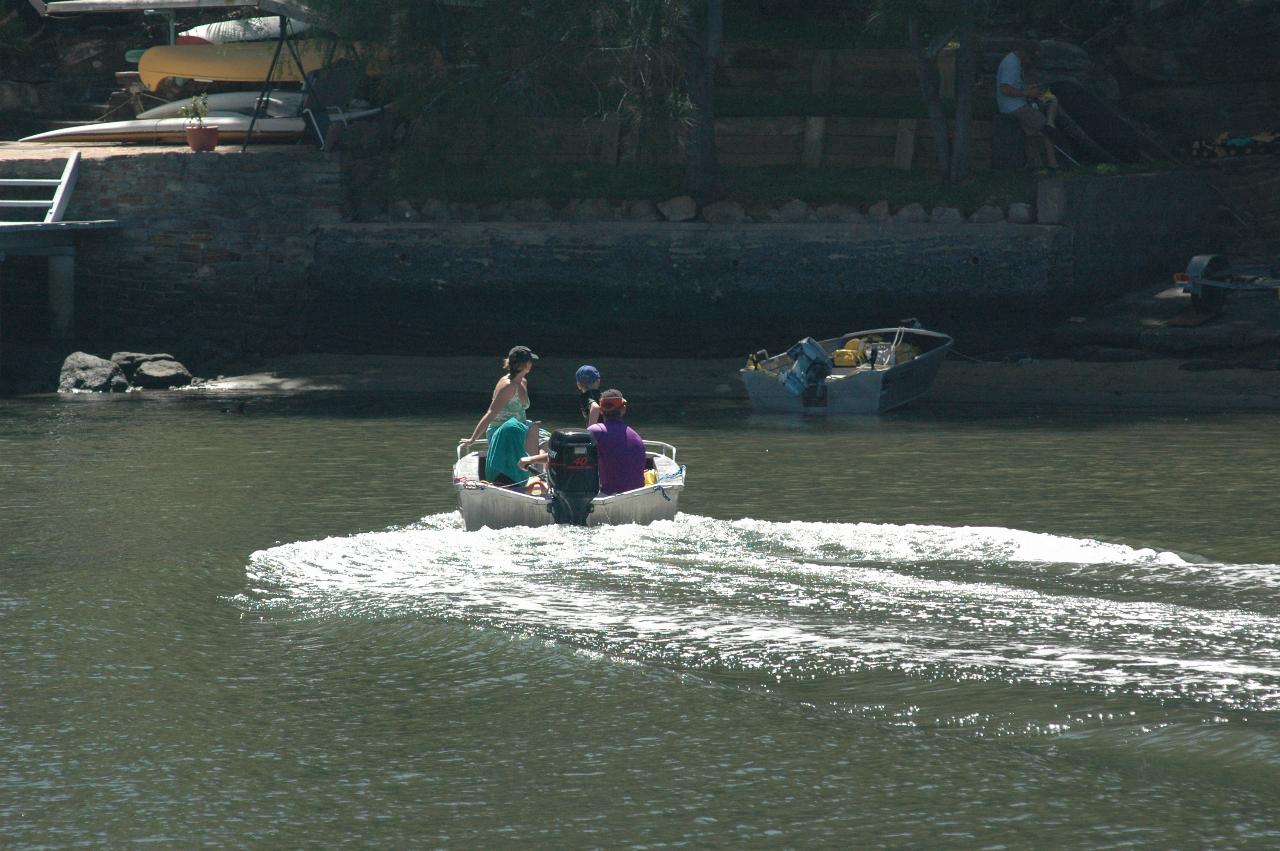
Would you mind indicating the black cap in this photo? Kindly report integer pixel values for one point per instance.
(520, 354)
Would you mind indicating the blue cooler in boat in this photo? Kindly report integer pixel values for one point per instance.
(810, 368)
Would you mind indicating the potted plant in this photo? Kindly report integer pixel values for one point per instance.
(200, 136)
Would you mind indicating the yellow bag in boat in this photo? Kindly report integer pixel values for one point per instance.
(650, 477)
(845, 357)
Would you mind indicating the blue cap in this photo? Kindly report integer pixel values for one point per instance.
(586, 374)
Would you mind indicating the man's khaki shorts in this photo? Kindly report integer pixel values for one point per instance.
(1030, 119)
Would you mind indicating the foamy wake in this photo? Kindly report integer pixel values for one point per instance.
(799, 599)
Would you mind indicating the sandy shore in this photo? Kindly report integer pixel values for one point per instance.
(1142, 385)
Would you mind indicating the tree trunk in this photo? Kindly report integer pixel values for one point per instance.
(966, 70)
(702, 174)
(927, 75)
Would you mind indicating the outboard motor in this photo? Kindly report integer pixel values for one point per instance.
(573, 467)
(808, 375)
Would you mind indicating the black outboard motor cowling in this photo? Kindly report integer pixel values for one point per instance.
(573, 468)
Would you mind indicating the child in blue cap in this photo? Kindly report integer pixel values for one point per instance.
(588, 380)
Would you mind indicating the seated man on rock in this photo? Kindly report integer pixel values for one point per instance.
(621, 450)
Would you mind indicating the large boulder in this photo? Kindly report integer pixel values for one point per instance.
(18, 97)
(83, 371)
(161, 375)
(724, 213)
(679, 209)
(130, 361)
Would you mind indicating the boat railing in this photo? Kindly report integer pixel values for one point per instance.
(656, 447)
(464, 449)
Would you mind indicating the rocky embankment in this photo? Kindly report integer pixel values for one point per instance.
(124, 371)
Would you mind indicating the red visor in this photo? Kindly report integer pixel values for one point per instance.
(612, 403)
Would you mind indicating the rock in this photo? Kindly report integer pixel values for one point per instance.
(839, 214)
(1020, 213)
(130, 361)
(368, 211)
(591, 210)
(464, 213)
(1160, 66)
(643, 210)
(793, 212)
(161, 375)
(18, 97)
(402, 211)
(912, 214)
(682, 208)
(434, 210)
(530, 210)
(946, 216)
(83, 371)
(724, 213)
(758, 211)
(987, 214)
(878, 212)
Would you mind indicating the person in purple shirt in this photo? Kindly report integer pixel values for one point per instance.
(621, 449)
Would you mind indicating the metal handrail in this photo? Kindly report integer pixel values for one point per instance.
(655, 446)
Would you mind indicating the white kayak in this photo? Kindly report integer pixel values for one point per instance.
(484, 504)
(278, 105)
(232, 128)
(240, 29)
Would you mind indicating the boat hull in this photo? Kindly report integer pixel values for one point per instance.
(232, 127)
(279, 105)
(865, 391)
(238, 62)
(485, 505)
(239, 29)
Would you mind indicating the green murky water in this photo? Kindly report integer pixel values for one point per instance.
(934, 630)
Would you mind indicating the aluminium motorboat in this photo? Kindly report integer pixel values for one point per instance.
(861, 372)
(570, 493)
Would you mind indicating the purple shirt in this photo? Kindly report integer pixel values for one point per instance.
(621, 456)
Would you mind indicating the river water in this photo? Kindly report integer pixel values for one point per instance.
(941, 628)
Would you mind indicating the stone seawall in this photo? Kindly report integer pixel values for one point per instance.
(212, 259)
(225, 255)
(672, 289)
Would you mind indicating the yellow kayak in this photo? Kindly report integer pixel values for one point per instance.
(241, 62)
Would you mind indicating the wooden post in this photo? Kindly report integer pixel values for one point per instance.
(611, 132)
(815, 130)
(904, 147)
(62, 297)
(947, 74)
(820, 81)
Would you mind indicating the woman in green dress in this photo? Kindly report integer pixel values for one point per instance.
(506, 424)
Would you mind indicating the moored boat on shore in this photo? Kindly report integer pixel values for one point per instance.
(861, 372)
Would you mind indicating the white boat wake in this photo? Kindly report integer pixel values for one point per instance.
(791, 601)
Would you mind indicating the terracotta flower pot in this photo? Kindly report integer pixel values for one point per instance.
(202, 138)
